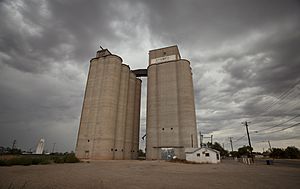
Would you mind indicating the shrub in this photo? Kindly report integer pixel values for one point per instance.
(36, 161)
(3, 162)
(20, 161)
(71, 158)
(58, 160)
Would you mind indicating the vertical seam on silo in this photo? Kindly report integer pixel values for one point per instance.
(97, 101)
(124, 142)
(117, 112)
(133, 123)
(125, 111)
(178, 104)
(136, 117)
(157, 112)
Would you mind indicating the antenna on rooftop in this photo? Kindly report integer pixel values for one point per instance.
(101, 47)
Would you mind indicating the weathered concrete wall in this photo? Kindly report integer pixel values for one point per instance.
(121, 118)
(107, 118)
(128, 143)
(152, 128)
(171, 120)
(187, 115)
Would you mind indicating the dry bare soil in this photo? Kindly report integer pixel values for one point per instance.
(149, 174)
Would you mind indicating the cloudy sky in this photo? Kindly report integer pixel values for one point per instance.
(244, 55)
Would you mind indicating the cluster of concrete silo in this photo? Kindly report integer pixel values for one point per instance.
(109, 125)
(171, 119)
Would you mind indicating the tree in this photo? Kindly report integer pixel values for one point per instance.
(277, 153)
(234, 154)
(245, 151)
(292, 152)
(218, 147)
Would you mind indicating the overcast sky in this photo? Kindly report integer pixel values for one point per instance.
(245, 58)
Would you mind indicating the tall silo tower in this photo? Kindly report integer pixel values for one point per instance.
(111, 109)
(171, 119)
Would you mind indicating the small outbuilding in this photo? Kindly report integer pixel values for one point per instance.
(202, 155)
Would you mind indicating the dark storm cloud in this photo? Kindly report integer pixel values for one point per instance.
(243, 54)
(37, 33)
(213, 22)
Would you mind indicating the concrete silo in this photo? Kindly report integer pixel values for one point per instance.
(171, 119)
(109, 103)
(136, 119)
(121, 115)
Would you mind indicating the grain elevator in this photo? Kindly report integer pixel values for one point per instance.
(109, 124)
(110, 119)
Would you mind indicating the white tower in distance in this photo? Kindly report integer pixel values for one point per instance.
(40, 147)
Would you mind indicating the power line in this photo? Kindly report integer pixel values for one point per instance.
(283, 95)
(277, 124)
(298, 137)
(240, 138)
(294, 125)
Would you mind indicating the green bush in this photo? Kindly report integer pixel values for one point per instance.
(45, 162)
(71, 158)
(58, 160)
(3, 162)
(36, 161)
(39, 159)
(20, 161)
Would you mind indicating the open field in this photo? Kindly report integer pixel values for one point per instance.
(150, 174)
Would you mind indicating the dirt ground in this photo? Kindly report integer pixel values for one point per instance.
(149, 174)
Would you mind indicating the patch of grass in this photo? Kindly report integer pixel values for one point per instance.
(183, 161)
(58, 159)
(39, 159)
(71, 158)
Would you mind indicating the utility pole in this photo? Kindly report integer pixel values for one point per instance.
(230, 138)
(246, 124)
(270, 146)
(211, 139)
(14, 144)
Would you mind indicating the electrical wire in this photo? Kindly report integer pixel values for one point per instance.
(294, 125)
(239, 138)
(278, 124)
(283, 96)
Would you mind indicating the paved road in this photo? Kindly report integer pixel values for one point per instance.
(281, 162)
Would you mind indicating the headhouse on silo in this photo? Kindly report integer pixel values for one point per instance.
(171, 118)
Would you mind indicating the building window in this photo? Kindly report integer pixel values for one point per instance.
(171, 128)
(88, 140)
(116, 149)
(163, 128)
(198, 155)
(207, 155)
(111, 149)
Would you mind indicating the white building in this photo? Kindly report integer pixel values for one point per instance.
(202, 155)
